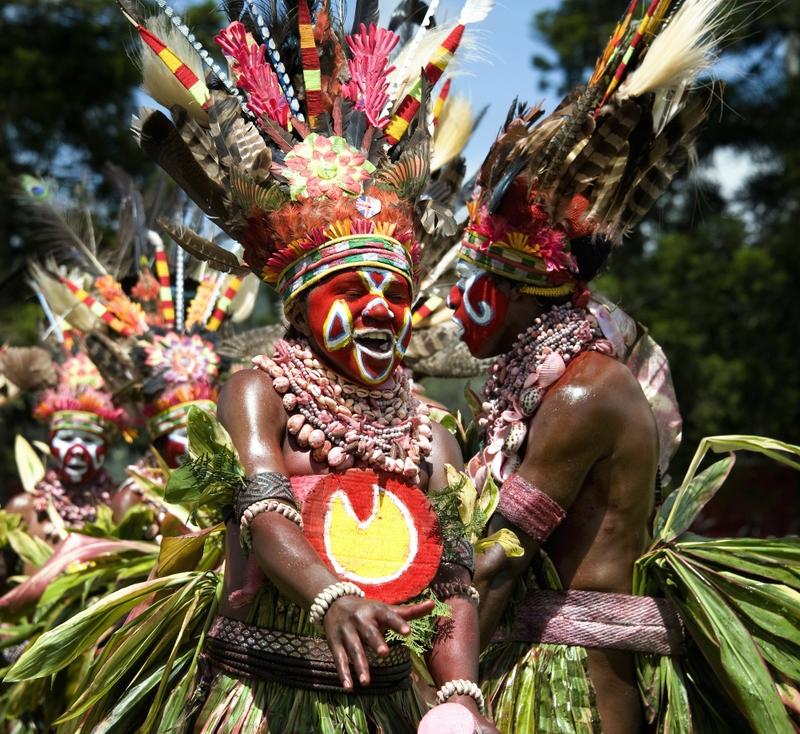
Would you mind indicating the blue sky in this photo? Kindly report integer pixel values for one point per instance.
(504, 68)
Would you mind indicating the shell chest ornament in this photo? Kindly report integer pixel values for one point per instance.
(519, 380)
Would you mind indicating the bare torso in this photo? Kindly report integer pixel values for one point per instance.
(593, 447)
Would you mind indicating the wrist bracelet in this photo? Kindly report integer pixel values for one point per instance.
(454, 588)
(250, 513)
(461, 687)
(326, 597)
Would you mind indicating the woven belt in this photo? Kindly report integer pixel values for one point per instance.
(597, 619)
(298, 661)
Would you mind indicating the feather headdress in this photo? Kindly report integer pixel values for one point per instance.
(554, 195)
(304, 154)
(147, 339)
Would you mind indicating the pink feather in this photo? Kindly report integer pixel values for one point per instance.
(368, 85)
(253, 74)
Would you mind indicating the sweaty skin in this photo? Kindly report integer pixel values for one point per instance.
(591, 446)
(254, 416)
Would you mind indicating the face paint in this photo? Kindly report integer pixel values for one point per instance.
(479, 305)
(361, 322)
(79, 454)
(176, 447)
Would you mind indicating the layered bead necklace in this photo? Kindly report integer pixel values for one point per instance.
(341, 422)
(75, 505)
(519, 378)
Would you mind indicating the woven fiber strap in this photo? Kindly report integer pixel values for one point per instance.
(265, 486)
(460, 553)
(298, 661)
(530, 509)
(599, 620)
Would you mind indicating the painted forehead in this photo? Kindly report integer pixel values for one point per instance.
(372, 280)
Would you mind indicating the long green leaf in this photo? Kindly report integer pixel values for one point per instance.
(729, 650)
(686, 502)
(58, 647)
(29, 465)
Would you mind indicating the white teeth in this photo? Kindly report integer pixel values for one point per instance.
(377, 343)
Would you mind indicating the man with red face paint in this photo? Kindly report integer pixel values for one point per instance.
(81, 418)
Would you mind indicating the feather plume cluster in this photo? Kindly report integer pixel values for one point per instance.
(247, 158)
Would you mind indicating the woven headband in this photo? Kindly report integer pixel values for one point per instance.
(79, 420)
(175, 417)
(351, 251)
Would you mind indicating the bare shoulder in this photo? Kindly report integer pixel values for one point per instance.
(20, 504)
(248, 392)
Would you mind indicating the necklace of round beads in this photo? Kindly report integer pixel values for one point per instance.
(341, 422)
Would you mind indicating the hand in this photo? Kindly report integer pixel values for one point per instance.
(352, 622)
(482, 724)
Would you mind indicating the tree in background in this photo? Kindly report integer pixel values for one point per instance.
(716, 278)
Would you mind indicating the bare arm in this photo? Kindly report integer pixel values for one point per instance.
(252, 413)
(456, 647)
(572, 430)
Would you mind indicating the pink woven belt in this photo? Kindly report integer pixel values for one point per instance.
(597, 619)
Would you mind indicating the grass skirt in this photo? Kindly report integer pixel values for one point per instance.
(539, 689)
(236, 704)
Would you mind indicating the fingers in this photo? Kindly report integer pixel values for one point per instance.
(372, 634)
(341, 660)
(355, 651)
(415, 611)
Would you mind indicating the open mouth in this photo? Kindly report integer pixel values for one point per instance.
(378, 343)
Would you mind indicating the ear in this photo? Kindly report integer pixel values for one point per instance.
(515, 293)
(298, 317)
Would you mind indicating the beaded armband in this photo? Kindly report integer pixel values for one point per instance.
(264, 492)
(530, 509)
(447, 590)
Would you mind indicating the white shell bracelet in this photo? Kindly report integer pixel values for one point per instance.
(326, 597)
(461, 687)
(289, 512)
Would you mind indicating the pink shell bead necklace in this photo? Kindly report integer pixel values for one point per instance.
(519, 378)
(341, 422)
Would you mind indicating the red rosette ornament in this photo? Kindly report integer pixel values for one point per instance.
(376, 531)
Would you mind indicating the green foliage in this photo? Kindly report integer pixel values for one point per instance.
(208, 478)
(423, 629)
(740, 601)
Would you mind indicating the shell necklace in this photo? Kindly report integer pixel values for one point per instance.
(342, 422)
(519, 379)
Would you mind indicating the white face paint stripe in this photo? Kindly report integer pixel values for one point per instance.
(340, 312)
(370, 377)
(400, 347)
(376, 281)
(484, 313)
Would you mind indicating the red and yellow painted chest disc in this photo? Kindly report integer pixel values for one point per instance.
(376, 531)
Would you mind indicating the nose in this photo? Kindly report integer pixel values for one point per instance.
(454, 297)
(377, 310)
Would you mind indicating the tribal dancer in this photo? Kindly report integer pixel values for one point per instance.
(314, 158)
(568, 432)
(82, 420)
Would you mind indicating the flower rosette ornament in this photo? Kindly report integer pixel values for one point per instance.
(182, 358)
(325, 166)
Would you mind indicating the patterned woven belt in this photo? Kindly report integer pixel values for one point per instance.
(298, 661)
(597, 619)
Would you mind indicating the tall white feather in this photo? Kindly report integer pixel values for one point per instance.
(682, 51)
(474, 11)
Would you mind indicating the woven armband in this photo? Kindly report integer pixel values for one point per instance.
(461, 553)
(265, 486)
(530, 509)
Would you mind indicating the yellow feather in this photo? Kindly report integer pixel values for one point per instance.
(199, 305)
(452, 132)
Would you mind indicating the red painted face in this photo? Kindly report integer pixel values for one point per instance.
(79, 454)
(479, 306)
(361, 322)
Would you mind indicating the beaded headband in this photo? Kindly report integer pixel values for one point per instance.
(354, 251)
(175, 417)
